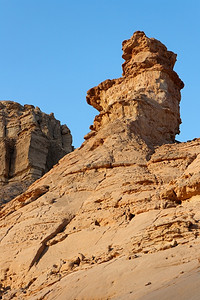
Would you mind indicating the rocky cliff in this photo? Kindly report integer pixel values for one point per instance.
(31, 142)
(117, 218)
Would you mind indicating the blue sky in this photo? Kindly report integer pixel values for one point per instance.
(53, 51)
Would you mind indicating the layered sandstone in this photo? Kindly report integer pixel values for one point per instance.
(147, 96)
(31, 142)
(119, 217)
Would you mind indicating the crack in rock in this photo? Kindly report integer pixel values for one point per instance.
(44, 247)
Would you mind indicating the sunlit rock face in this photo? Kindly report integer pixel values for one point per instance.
(146, 97)
(31, 142)
(119, 217)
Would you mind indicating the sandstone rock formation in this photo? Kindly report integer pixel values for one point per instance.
(147, 96)
(31, 142)
(119, 217)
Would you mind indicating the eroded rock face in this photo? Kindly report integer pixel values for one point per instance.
(147, 96)
(119, 217)
(31, 142)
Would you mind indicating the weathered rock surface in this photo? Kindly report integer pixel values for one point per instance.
(119, 217)
(31, 142)
(146, 97)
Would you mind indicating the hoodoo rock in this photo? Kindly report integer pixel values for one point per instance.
(146, 98)
(119, 217)
(31, 142)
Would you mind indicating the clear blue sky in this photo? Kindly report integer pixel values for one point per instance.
(53, 51)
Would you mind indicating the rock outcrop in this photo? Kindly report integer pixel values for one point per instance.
(31, 142)
(119, 217)
(147, 96)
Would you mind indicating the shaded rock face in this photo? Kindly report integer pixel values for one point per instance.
(31, 142)
(119, 217)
